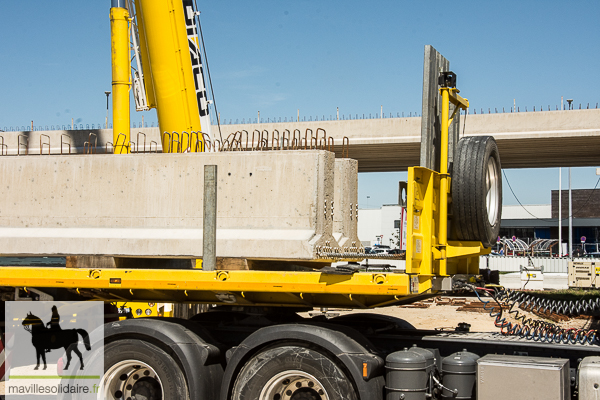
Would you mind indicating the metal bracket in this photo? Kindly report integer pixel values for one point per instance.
(43, 296)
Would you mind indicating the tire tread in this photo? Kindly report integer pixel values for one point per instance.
(469, 208)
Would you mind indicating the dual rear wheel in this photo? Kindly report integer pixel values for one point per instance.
(135, 369)
(292, 372)
(138, 370)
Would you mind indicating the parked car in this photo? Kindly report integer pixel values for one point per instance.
(379, 251)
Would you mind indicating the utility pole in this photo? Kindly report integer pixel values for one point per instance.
(560, 252)
(570, 218)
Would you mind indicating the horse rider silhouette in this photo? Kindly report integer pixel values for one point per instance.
(44, 339)
(54, 323)
(54, 320)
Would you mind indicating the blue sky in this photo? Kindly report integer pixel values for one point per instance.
(280, 56)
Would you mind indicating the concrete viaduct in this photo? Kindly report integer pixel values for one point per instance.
(526, 139)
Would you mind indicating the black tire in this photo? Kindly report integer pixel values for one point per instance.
(292, 372)
(477, 190)
(149, 371)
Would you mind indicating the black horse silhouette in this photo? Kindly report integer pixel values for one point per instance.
(44, 339)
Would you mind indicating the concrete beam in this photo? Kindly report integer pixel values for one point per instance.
(271, 205)
(345, 216)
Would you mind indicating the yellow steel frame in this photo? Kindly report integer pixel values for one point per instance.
(429, 253)
(361, 290)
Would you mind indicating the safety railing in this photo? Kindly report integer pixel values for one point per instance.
(309, 118)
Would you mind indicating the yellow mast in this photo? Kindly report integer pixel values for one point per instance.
(119, 29)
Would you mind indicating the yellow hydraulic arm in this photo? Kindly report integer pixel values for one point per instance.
(172, 69)
(429, 254)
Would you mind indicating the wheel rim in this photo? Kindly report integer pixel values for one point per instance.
(131, 379)
(492, 191)
(293, 385)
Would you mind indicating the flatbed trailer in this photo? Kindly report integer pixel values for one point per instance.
(253, 344)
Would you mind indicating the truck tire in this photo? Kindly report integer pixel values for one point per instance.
(138, 369)
(292, 372)
(477, 190)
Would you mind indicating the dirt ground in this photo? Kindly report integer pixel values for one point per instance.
(434, 317)
(448, 316)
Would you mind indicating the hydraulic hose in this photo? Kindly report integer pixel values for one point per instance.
(536, 329)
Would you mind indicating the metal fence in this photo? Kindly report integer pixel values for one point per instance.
(304, 118)
(316, 118)
(513, 264)
(70, 127)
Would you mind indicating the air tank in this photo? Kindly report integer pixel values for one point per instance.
(459, 374)
(429, 357)
(407, 374)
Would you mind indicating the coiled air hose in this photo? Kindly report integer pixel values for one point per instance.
(542, 305)
(536, 329)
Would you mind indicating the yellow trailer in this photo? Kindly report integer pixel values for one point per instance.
(254, 345)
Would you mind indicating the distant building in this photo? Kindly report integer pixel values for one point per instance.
(376, 225)
(541, 221)
(528, 223)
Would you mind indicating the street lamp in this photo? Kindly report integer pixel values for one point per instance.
(107, 94)
(570, 101)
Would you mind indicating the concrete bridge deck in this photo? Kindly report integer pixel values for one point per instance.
(526, 139)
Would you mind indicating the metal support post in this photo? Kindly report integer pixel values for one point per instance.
(449, 95)
(443, 226)
(570, 218)
(209, 251)
(560, 246)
